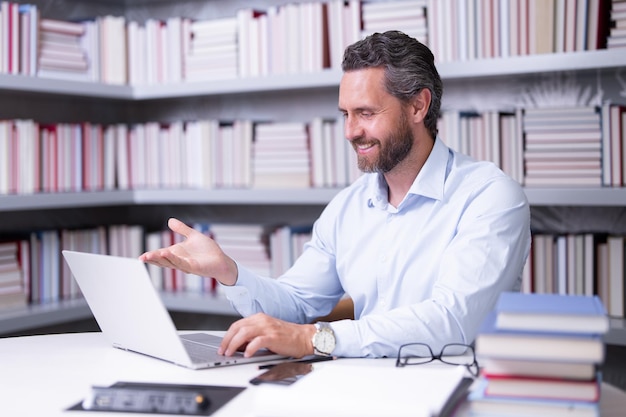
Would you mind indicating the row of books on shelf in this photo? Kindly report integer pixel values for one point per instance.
(575, 264)
(294, 37)
(203, 154)
(465, 30)
(545, 146)
(578, 264)
(32, 269)
(540, 355)
(573, 146)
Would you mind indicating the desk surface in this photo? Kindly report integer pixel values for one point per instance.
(44, 375)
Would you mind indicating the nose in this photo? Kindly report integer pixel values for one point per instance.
(352, 128)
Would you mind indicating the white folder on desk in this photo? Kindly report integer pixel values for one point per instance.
(351, 387)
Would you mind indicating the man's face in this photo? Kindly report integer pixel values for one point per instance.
(376, 123)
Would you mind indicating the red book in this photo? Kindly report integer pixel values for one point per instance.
(545, 388)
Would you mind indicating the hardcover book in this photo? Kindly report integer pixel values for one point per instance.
(543, 388)
(551, 313)
(482, 404)
(548, 346)
(500, 367)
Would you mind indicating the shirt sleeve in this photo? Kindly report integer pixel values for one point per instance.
(309, 289)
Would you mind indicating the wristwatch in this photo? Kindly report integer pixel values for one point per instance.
(323, 339)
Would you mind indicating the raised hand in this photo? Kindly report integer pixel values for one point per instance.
(197, 254)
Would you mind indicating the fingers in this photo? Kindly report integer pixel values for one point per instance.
(246, 334)
(179, 227)
(235, 338)
(165, 257)
(261, 331)
(159, 257)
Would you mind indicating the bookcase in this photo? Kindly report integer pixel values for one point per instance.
(478, 85)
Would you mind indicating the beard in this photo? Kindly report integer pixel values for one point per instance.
(393, 150)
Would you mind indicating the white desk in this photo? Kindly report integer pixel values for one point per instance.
(44, 375)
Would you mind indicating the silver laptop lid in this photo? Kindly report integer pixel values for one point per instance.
(126, 305)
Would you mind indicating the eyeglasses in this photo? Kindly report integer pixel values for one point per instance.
(451, 354)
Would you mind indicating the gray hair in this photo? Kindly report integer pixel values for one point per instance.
(409, 67)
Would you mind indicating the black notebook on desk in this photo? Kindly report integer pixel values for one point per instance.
(153, 398)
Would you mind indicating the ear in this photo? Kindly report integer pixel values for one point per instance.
(420, 105)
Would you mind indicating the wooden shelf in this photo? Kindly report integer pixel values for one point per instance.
(44, 201)
(604, 59)
(43, 85)
(272, 83)
(41, 315)
(572, 196)
(59, 312)
(600, 60)
(577, 196)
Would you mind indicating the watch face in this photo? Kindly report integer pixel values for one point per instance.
(325, 341)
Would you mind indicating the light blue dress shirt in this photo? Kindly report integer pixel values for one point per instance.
(427, 271)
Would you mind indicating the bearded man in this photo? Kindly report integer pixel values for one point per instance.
(423, 242)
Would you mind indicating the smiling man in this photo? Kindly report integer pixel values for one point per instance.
(423, 243)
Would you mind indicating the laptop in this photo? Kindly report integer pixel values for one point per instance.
(132, 316)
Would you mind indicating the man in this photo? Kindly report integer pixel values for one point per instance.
(423, 243)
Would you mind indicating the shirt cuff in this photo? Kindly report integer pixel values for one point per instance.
(346, 338)
(241, 293)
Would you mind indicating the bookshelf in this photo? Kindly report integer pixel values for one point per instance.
(287, 197)
(64, 311)
(587, 61)
(573, 196)
(278, 97)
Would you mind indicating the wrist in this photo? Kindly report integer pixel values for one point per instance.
(310, 333)
(231, 273)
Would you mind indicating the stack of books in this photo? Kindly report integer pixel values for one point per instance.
(408, 16)
(211, 49)
(62, 50)
(247, 243)
(12, 284)
(562, 146)
(539, 356)
(617, 31)
(281, 155)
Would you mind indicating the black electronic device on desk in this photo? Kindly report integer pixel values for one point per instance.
(133, 397)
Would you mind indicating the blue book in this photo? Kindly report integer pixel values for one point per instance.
(493, 342)
(551, 313)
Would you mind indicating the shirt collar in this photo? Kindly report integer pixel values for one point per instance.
(429, 183)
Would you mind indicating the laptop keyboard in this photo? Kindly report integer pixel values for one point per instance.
(199, 353)
(202, 348)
